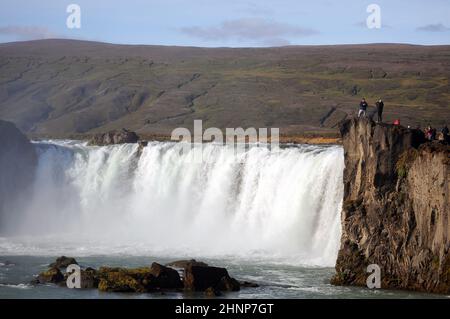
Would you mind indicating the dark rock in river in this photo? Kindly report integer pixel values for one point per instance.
(143, 144)
(396, 208)
(212, 292)
(143, 279)
(17, 168)
(114, 137)
(247, 284)
(124, 280)
(89, 278)
(52, 275)
(165, 277)
(227, 283)
(186, 263)
(199, 278)
(63, 262)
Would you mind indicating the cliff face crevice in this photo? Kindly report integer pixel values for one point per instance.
(396, 207)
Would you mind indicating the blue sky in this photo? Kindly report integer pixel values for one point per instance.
(232, 23)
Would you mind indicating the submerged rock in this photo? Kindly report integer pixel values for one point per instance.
(248, 284)
(212, 292)
(7, 263)
(227, 283)
(114, 137)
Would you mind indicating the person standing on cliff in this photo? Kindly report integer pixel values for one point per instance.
(445, 131)
(362, 108)
(380, 106)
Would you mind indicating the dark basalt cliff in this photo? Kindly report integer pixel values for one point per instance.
(396, 208)
(17, 167)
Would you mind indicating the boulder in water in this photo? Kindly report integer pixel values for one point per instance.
(227, 283)
(142, 279)
(212, 292)
(165, 277)
(89, 278)
(122, 281)
(114, 137)
(52, 275)
(186, 263)
(63, 262)
(248, 284)
(200, 278)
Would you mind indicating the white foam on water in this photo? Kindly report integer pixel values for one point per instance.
(18, 286)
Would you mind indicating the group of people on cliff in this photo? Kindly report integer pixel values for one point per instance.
(379, 105)
(430, 132)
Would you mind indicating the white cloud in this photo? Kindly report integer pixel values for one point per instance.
(27, 33)
(254, 29)
(438, 27)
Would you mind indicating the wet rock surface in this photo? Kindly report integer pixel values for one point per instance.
(200, 278)
(63, 262)
(197, 276)
(52, 275)
(114, 137)
(186, 263)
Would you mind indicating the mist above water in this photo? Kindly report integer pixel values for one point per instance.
(281, 204)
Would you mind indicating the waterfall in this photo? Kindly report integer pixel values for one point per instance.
(281, 204)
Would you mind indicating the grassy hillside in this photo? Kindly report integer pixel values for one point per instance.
(62, 87)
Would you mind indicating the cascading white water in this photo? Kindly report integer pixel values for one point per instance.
(279, 204)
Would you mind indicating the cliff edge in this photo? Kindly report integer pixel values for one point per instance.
(396, 208)
(17, 168)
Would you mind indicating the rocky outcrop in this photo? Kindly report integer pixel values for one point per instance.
(114, 137)
(17, 168)
(63, 262)
(396, 208)
(183, 264)
(198, 276)
(52, 275)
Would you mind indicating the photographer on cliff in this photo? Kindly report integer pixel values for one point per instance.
(362, 108)
(379, 105)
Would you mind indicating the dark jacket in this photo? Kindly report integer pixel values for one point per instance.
(363, 106)
(445, 130)
(380, 106)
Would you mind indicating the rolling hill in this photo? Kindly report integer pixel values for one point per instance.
(63, 88)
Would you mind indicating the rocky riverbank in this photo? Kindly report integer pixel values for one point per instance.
(396, 208)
